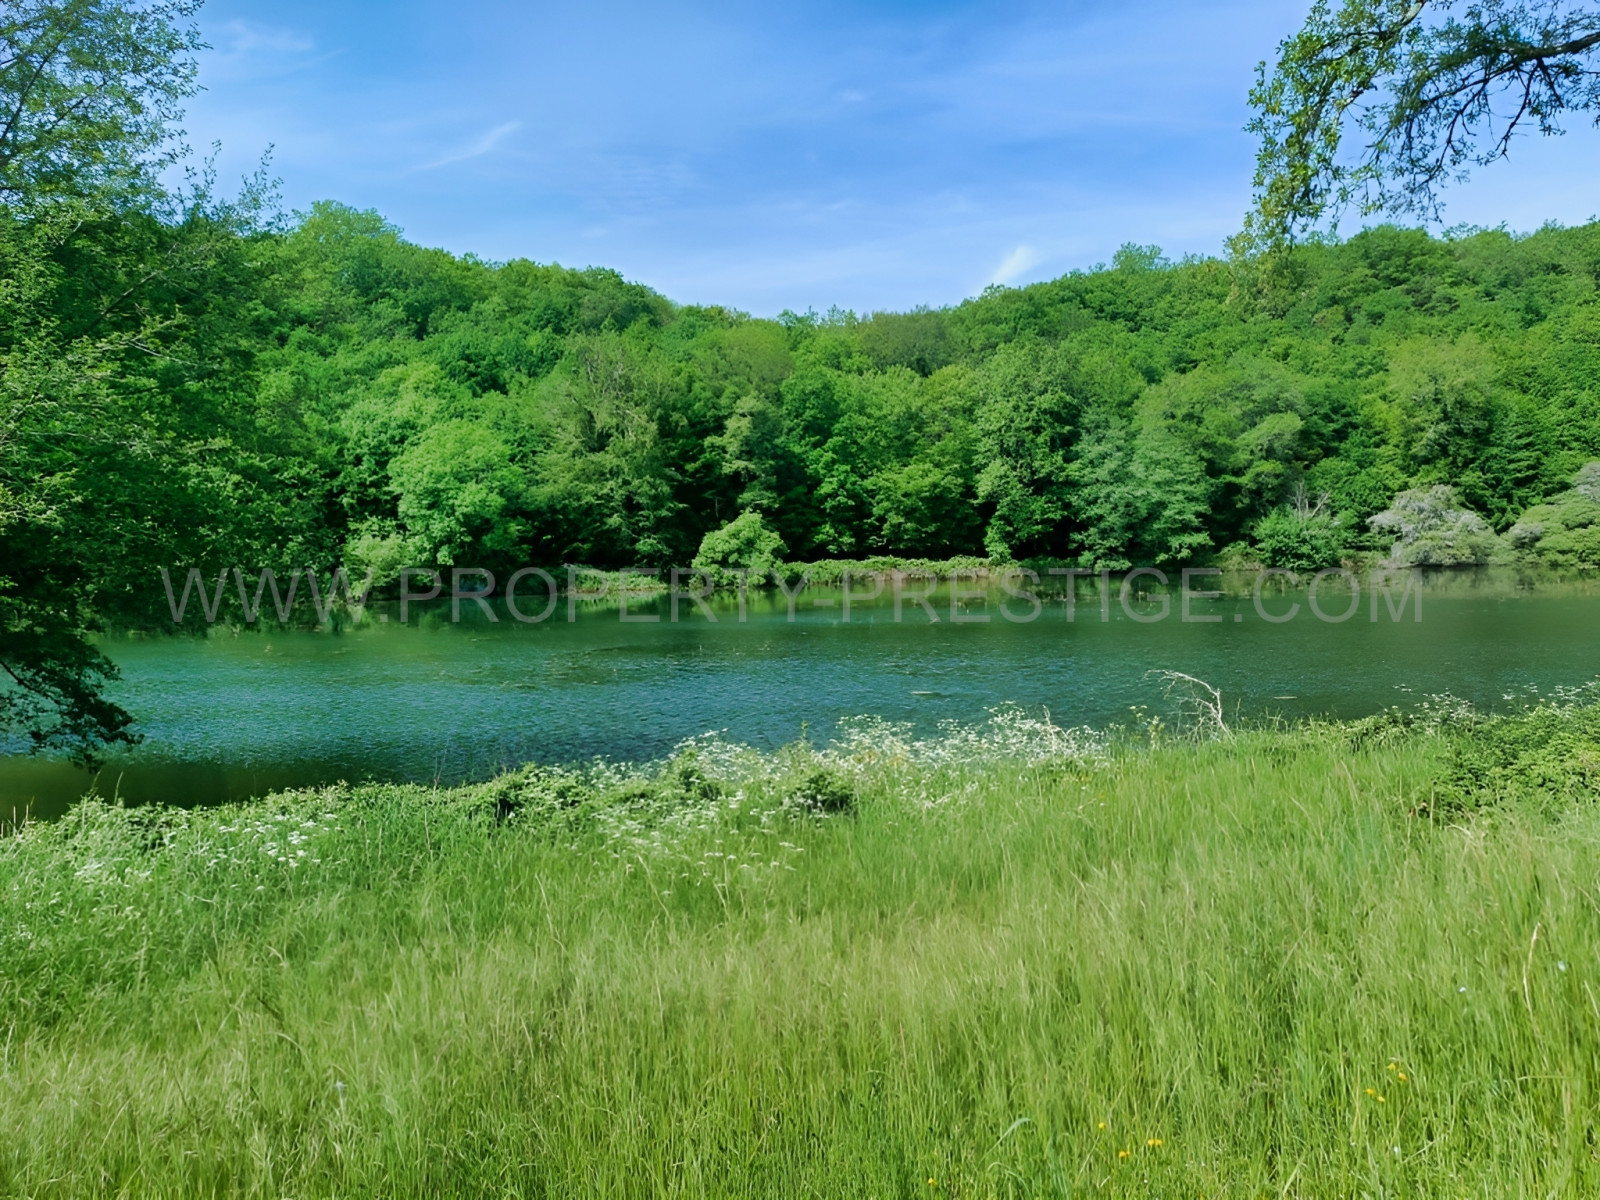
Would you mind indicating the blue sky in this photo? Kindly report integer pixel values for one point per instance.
(870, 155)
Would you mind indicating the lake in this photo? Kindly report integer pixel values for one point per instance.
(241, 712)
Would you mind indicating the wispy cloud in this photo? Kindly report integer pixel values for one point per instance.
(1016, 264)
(250, 37)
(477, 149)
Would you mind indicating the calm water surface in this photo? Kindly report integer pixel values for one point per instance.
(239, 713)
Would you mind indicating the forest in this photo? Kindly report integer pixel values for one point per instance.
(323, 391)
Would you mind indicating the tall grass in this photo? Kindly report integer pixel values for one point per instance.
(1018, 964)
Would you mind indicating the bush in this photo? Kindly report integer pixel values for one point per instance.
(745, 543)
(1300, 541)
(1548, 755)
(1432, 529)
(1565, 531)
(531, 794)
(825, 791)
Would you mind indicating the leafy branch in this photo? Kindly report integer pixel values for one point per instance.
(1429, 96)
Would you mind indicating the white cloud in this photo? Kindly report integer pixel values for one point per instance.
(248, 37)
(478, 148)
(1017, 263)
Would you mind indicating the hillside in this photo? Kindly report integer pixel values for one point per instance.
(329, 391)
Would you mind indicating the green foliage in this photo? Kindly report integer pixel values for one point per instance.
(1429, 93)
(745, 543)
(1300, 539)
(1142, 497)
(1431, 529)
(1026, 425)
(455, 482)
(89, 89)
(1565, 532)
(91, 409)
(1548, 756)
(825, 791)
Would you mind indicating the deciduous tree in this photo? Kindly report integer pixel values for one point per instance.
(1427, 88)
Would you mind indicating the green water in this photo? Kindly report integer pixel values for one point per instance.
(242, 712)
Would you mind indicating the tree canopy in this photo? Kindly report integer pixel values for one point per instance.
(89, 92)
(95, 316)
(1430, 89)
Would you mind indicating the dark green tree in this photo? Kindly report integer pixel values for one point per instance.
(88, 93)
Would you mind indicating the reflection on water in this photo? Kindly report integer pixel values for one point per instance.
(242, 712)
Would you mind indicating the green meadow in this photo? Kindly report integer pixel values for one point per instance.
(1014, 960)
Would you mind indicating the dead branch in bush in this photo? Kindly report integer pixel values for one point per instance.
(1195, 698)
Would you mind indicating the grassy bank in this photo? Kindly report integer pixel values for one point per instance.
(1013, 961)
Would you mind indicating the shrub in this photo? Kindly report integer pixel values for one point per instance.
(825, 791)
(1550, 754)
(1564, 531)
(746, 542)
(1432, 529)
(531, 794)
(1300, 540)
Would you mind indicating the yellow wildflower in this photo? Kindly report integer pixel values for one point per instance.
(1152, 1141)
(1122, 1154)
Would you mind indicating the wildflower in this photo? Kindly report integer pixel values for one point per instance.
(1122, 1154)
(1401, 1077)
(1152, 1141)
(1102, 1125)
(1372, 1091)
(1381, 1100)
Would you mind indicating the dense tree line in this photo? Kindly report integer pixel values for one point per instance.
(199, 387)
(334, 393)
